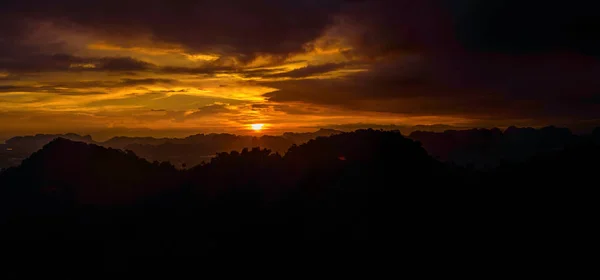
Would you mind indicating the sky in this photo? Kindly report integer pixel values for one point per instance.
(174, 68)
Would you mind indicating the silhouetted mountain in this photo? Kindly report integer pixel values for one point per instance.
(40, 140)
(348, 196)
(405, 129)
(476, 147)
(431, 128)
(299, 138)
(483, 147)
(189, 151)
(18, 148)
(121, 142)
(596, 135)
(90, 173)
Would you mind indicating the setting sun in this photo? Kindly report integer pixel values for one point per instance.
(257, 126)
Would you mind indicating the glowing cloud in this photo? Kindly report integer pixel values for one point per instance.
(257, 126)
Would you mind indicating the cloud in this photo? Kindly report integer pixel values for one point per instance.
(56, 89)
(161, 100)
(244, 30)
(65, 62)
(202, 70)
(9, 77)
(289, 109)
(424, 60)
(121, 64)
(524, 27)
(402, 77)
(9, 88)
(146, 81)
(238, 28)
(470, 86)
(308, 71)
(498, 60)
(212, 109)
(83, 88)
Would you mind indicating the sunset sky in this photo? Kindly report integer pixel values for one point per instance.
(174, 68)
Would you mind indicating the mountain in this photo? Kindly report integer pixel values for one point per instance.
(18, 148)
(596, 135)
(404, 129)
(90, 173)
(345, 197)
(191, 150)
(38, 141)
(93, 174)
(299, 138)
(480, 148)
(489, 147)
(121, 142)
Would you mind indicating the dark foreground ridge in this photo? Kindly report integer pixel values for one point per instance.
(353, 197)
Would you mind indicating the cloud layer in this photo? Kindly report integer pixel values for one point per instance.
(225, 64)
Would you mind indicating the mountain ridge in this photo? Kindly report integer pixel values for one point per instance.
(480, 148)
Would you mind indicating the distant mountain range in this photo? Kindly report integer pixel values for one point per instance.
(191, 150)
(489, 147)
(479, 148)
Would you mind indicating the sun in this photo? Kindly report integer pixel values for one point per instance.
(257, 126)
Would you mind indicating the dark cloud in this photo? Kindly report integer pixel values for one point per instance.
(260, 106)
(10, 77)
(9, 88)
(53, 89)
(296, 109)
(83, 87)
(164, 100)
(173, 91)
(81, 93)
(226, 66)
(472, 86)
(376, 28)
(402, 77)
(475, 59)
(121, 64)
(212, 109)
(463, 58)
(308, 71)
(203, 70)
(147, 81)
(523, 27)
(65, 62)
(244, 29)
(236, 27)
(118, 84)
